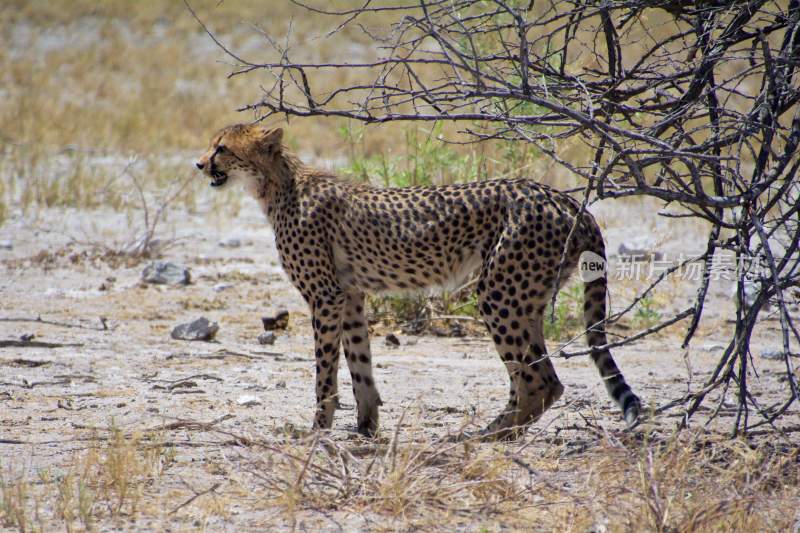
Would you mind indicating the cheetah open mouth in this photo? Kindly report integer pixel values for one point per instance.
(218, 178)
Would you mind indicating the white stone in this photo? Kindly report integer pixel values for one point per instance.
(248, 400)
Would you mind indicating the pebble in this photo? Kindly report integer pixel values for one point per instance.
(279, 321)
(457, 330)
(267, 338)
(639, 249)
(219, 287)
(166, 273)
(713, 347)
(774, 354)
(248, 400)
(6, 245)
(391, 340)
(233, 242)
(197, 330)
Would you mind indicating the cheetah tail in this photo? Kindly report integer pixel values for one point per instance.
(594, 315)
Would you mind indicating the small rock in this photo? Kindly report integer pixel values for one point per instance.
(713, 347)
(280, 385)
(248, 400)
(188, 384)
(267, 338)
(219, 287)
(197, 330)
(775, 354)
(279, 321)
(6, 245)
(233, 242)
(411, 341)
(165, 273)
(454, 329)
(639, 249)
(457, 330)
(26, 337)
(391, 340)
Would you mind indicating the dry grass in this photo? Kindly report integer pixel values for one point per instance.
(88, 85)
(579, 480)
(106, 483)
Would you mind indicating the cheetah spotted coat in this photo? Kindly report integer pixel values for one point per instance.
(339, 240)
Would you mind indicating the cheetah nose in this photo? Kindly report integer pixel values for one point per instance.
(199, 165)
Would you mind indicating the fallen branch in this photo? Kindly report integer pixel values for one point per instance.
(15, 343)
(40, 320)
(191, 425)
(196, 495)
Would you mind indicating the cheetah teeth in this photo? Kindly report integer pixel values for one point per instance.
(219, 180)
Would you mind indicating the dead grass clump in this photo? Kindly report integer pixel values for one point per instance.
(698, 482)
(15, 503)
(684, 482)
(127, 77)
(582, 478)
(406, 478)
(109, 482)
(99, 484)
(3, 204)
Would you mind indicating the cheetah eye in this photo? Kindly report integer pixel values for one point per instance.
(222, 148)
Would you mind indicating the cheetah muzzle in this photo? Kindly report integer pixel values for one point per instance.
(338, 241)
(218, 177)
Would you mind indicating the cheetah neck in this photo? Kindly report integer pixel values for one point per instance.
(277, 183)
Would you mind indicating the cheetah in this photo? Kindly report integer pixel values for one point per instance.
(338, 241)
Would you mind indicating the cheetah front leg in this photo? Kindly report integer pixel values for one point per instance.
(355, 341)
(327, 320)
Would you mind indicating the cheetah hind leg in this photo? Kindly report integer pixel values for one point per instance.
(538, 388)
(545, 388)
(509, 339)
(509, 424)
(355, 341)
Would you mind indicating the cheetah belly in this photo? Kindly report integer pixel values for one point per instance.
(390, 271)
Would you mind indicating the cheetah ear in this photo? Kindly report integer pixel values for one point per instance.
(271, 140)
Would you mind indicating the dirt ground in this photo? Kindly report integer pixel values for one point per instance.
(107, 423)
(119, 373)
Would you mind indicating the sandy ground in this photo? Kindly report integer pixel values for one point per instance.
(132, 375)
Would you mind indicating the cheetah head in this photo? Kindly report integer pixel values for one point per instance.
(238, 152)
